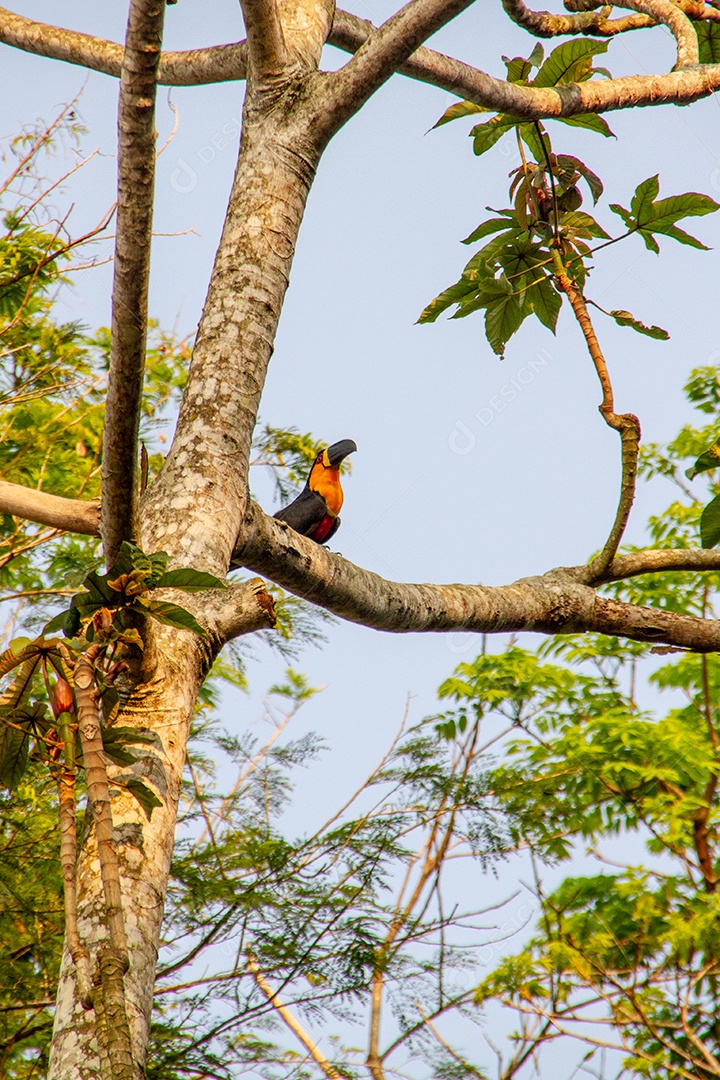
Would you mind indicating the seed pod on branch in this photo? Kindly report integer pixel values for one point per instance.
(62, 698)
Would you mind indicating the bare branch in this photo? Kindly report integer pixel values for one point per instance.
(136, 176)
(556, 603)
(659, 561)
(545, 24)
(265, 42)
(218, 64)
(292, 1022)
(592, 17)
(72, 515)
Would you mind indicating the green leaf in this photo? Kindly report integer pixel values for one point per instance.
(708, 34)
(573, 164)
(172, 615)
(99, 592)
(19, 689)
(590, 121)
(110, 705)
(14, 750)
(189, 580)
(648, 216)
(503, 317)
(546, 303)
(446, 299)
(570, 62)
(709, 459)
(537, 141)
(486, 135)
(67, 622)
(583, 224)
(624, 214)
(458, 110)
(642, 200)
(710, 523)
(14, 656)
(624, 318)
(492, 225)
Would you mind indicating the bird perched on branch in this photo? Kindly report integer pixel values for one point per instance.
(315, 511)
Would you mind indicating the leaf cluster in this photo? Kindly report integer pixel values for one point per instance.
(545, 233)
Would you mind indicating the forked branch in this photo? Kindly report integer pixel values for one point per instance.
(384, 52)
(679, 25)
(349, 32)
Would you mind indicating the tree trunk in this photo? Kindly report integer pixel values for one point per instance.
(194, 510)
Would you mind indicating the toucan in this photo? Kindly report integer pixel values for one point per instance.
(315, 511)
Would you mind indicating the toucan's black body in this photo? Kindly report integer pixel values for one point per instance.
(315, 511)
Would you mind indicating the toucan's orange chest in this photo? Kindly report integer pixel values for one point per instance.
(326, 482)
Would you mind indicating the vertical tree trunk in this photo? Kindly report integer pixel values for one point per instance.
(194, 510)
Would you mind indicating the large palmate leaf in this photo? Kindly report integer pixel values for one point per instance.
(649, 215)
(570, 62)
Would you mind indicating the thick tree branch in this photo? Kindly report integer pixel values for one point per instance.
(592, 17)
(678, 87)
(349, 32)
(136, 177)
(382, 54)
(72, 515)
(265, 42)
(557, 603)
(217, 64)
(228, 613)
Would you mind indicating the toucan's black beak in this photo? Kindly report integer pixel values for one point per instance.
(340, 450)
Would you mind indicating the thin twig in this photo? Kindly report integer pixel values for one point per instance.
(291, 1021)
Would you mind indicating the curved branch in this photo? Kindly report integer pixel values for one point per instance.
(72, 515)
(557, 603)
(545, 24)
(626, 424)
(136, 178)
(679, 25)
